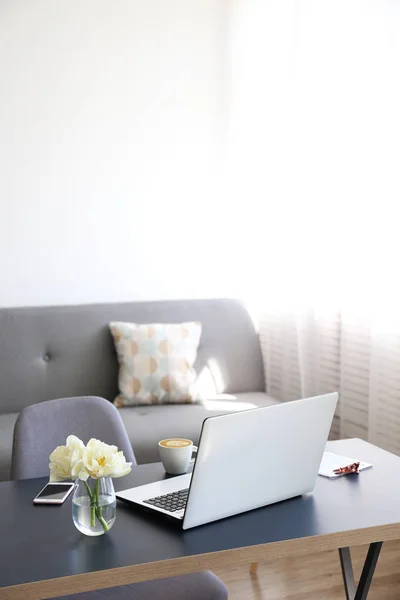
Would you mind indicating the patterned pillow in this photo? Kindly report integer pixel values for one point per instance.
(156, 362)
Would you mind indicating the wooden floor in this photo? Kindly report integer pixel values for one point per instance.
(313, 577)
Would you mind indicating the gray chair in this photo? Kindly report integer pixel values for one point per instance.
(196, 586)
(42, 427)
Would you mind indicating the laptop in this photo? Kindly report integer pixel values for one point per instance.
(245, 460)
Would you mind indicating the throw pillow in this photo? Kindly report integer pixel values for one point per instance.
(156, 362)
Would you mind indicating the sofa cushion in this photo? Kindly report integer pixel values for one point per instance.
(147, 425)
(7, 423)
(64, 351)
(156, 362)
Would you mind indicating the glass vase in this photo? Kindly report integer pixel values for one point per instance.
(94, 505)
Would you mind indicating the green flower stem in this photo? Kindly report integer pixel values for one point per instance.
(88, 491)
(92, 505)
(99, 508)
(96, 492)
(101, 519)
(95, 508)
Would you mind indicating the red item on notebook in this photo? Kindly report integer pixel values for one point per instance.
(353, 468)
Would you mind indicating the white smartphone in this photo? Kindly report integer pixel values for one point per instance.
(54, 493)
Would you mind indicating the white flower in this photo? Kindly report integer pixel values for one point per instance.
(66, 461)
(102, 460)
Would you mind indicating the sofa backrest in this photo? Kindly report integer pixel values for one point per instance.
(63, 351)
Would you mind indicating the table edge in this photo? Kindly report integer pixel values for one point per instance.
(95, 580)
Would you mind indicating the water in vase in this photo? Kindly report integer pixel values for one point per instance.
(82, 514)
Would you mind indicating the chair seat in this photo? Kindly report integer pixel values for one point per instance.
(147, 425)
(195, 586)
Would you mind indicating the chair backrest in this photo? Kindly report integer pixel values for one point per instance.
(42, 427)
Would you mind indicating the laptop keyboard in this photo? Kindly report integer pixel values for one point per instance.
(170, 502)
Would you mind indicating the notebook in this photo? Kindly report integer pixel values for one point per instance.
(331, 461)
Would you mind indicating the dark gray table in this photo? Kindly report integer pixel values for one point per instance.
(42, 555)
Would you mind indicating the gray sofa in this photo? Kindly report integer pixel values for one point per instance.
(56, 352)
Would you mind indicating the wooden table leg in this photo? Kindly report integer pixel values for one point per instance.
(253, 569)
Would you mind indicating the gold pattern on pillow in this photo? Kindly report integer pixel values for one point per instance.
(156, 362)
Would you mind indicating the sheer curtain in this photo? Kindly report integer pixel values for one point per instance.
(313, 157)
(316, 352)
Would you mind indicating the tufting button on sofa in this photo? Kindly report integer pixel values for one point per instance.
(46, 357)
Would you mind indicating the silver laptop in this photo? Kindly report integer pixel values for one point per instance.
(245, 460)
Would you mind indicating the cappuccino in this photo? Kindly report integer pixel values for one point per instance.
(175, 454)
(175, 443)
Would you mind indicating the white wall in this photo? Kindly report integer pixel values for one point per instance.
(111, 120)
(315, 128)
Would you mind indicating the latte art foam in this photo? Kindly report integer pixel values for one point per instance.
(175, 443)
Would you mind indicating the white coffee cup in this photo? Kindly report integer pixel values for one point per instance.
(175, 454)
